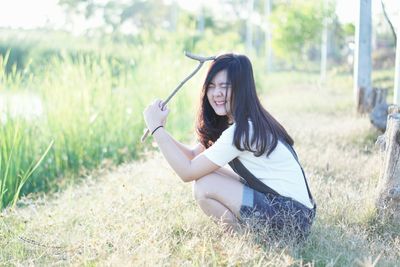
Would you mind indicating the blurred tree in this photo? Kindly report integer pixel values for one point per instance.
(77, 6)
(267, 35)
(115, 13)
(389, 21)
(341, 43)
(249, 25)
(148, 14)
(324, 45)
(348, 29)
(112, 14)
(297, 26)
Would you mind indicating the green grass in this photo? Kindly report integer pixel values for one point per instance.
(92, 111)
(142, 214)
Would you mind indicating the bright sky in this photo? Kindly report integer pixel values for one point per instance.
(347, 9)
(30, 14)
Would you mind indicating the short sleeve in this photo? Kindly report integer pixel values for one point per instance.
(223, 150)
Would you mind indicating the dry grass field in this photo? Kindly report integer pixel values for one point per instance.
(141, 214)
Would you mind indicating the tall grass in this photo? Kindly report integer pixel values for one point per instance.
(12, 180)
(92, 111)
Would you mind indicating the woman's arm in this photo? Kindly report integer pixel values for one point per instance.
(188, 169)
(176, 155)
(189, 152)
(196, 150)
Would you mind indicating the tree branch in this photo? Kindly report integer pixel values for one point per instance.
(389, 21)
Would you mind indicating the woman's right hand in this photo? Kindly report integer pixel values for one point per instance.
(154, 115)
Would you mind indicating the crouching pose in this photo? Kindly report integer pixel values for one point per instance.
(233, 128)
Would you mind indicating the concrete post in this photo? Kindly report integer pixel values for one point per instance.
(362, 55)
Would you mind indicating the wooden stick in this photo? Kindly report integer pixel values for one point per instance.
(388, 202)
(201, 60)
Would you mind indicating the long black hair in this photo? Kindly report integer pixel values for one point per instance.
(244, 105)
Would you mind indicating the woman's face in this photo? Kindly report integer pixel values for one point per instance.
(219, 94)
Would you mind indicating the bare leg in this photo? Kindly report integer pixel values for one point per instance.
(226, 171)
(217, 211)
(220, 197)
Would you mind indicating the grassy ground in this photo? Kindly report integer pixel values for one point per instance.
(141, 214)
(92, 110)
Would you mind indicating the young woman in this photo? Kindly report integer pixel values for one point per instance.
(233, 128)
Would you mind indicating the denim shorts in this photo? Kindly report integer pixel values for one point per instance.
(277, 213)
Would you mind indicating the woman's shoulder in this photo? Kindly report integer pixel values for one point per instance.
(231, 128)
(228, 133)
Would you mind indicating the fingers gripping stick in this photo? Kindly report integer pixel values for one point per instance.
(201, 60)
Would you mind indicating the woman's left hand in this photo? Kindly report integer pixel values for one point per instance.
(154, 116)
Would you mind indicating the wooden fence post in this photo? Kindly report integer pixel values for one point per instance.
(388, 202)
(379, 112)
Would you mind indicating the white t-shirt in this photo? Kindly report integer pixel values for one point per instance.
(279, 170)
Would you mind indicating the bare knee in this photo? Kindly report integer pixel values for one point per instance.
(201, 188)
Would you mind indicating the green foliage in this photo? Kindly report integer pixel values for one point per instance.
(17, 58)
(116, 13)
(92, 105)
(297, 27)
(30, 51)
(349, 29)
(16, 165)
(228, 42)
